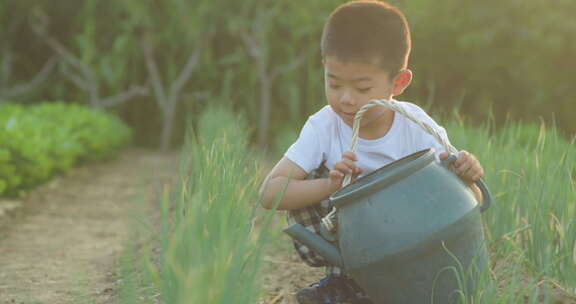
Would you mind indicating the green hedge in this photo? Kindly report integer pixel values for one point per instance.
(39, 141)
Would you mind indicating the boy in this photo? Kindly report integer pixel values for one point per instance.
(365, 47)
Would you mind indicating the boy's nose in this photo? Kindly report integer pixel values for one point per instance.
(346, 98)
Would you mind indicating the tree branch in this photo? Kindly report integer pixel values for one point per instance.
(186, 73)
(301, 58)
(74, 78)
(38, 79)
(201, 95)
(157, 85)
(251, 45)
(61, 50)
(89, 81)
(124, 96)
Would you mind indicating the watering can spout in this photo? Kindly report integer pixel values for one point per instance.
(313, 241)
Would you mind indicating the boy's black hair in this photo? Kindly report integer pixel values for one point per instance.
(364, 31)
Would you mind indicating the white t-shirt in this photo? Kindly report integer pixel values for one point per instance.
(325, 137)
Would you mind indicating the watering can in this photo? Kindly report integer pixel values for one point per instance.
(407, 233)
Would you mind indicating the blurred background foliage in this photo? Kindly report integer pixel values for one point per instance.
(160, 63)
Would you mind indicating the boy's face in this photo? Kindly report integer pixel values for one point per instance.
(351, 85)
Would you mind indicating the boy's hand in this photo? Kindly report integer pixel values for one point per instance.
(467, 167)
(346, 166)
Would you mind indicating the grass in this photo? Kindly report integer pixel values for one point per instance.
(530, 170)
(208, 248)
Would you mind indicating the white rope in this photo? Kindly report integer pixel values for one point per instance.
(392, 105)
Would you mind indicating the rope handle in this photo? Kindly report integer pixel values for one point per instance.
(392, 105)
(327, 221)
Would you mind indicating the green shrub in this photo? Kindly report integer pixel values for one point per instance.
(39, 141)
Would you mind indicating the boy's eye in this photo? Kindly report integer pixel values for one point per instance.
(335, 86)
(364, 90)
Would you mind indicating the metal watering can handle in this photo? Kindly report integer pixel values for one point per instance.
(327, 221)
(480, 183)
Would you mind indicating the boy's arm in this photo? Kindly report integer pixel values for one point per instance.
(298, 193)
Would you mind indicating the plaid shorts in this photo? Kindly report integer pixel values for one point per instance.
(310, 217)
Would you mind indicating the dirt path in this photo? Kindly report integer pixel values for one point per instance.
(63, 245)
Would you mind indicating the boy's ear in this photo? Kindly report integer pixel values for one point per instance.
(401, 81)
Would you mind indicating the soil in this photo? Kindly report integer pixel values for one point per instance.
(284, 273)
(62, 246)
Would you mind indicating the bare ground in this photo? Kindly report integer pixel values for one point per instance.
(284, 273)
(62, 246)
